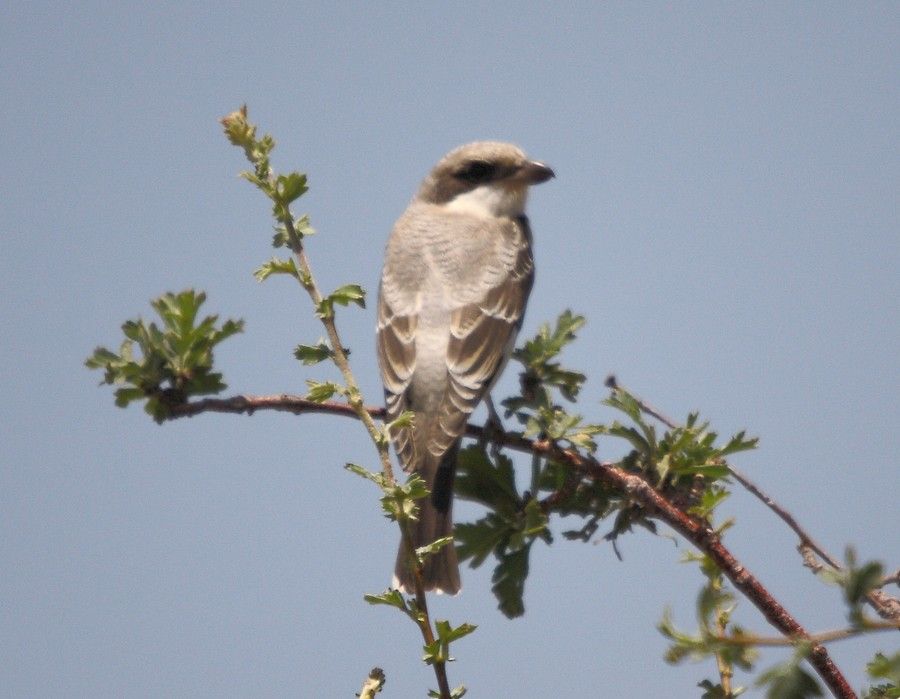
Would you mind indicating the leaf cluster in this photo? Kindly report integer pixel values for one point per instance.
(282, 190)
(685, 462)
(885, 668)
(398, 500)
(438, 650)
(165, 364)
(507, 531)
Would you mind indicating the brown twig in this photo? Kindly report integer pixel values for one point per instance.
(885, 606)
(691, 528)
(823, 637)
(240, 132)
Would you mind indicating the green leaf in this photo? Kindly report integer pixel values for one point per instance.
(447, 634)
(478, 540)
(631, 435)
(439, 650)
(302, 227)
(861, 581)
(313, 354)
(886, 668)
(423, 552)
(290, 187)
(391, 598)
(738, 443)
(166, 365)
(403, 420)
(509, 582)
(281, 238)
(789, 681)
(399, 501)
(347, 294)
(709, 500)
(276, 266)
(624, 401)
(376, 478)
(321, 392)
(479, 480)
(709, 470)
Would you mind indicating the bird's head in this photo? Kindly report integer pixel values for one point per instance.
(486, 178)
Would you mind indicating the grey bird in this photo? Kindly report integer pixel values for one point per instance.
(458, 270)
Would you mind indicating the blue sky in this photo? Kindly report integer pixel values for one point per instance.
(724, 214)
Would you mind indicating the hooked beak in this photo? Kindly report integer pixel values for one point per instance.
(534, 172)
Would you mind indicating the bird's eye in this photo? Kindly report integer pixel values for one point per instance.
(476, 172)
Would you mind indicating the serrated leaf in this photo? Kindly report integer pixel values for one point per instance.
(439, 650)
(884, 668)
(403, 420)
(789, 681)
(477, 540)
(480, 480)
(423, 552)
(281, 238)
(509, 582)
(276, 266)
(166, 365)
(290, 187)
(399, 501)
(712, 471)
(313, 354)
(349, 293)
(447, 634)
(321, 392)
(376, 478)
(635, 438)
(738, 443)
(391, 598)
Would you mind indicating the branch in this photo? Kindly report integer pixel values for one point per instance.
(691, 528)
(886, 606)
(283, 190)
(823, 637)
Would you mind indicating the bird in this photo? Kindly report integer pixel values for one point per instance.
(458, 271)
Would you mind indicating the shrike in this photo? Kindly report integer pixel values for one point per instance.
(458, 270)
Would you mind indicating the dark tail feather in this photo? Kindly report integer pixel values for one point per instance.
(441, 570)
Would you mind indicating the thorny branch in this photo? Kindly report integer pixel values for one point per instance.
(885, 606)
(693, 529)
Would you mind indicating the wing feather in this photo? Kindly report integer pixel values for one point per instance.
(486, 275)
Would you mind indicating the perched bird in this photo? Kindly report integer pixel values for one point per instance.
(458, 270)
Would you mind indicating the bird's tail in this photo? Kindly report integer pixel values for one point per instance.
(441, 570)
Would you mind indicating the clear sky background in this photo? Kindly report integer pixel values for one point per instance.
(724, 214)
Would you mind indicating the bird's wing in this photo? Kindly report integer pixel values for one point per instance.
(483, 329)
(395, 341)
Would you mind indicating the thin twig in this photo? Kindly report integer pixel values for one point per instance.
(785, 516)
(355, 401)
(338, 353)
(885, 606)
(823, 637)
(613, 383)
